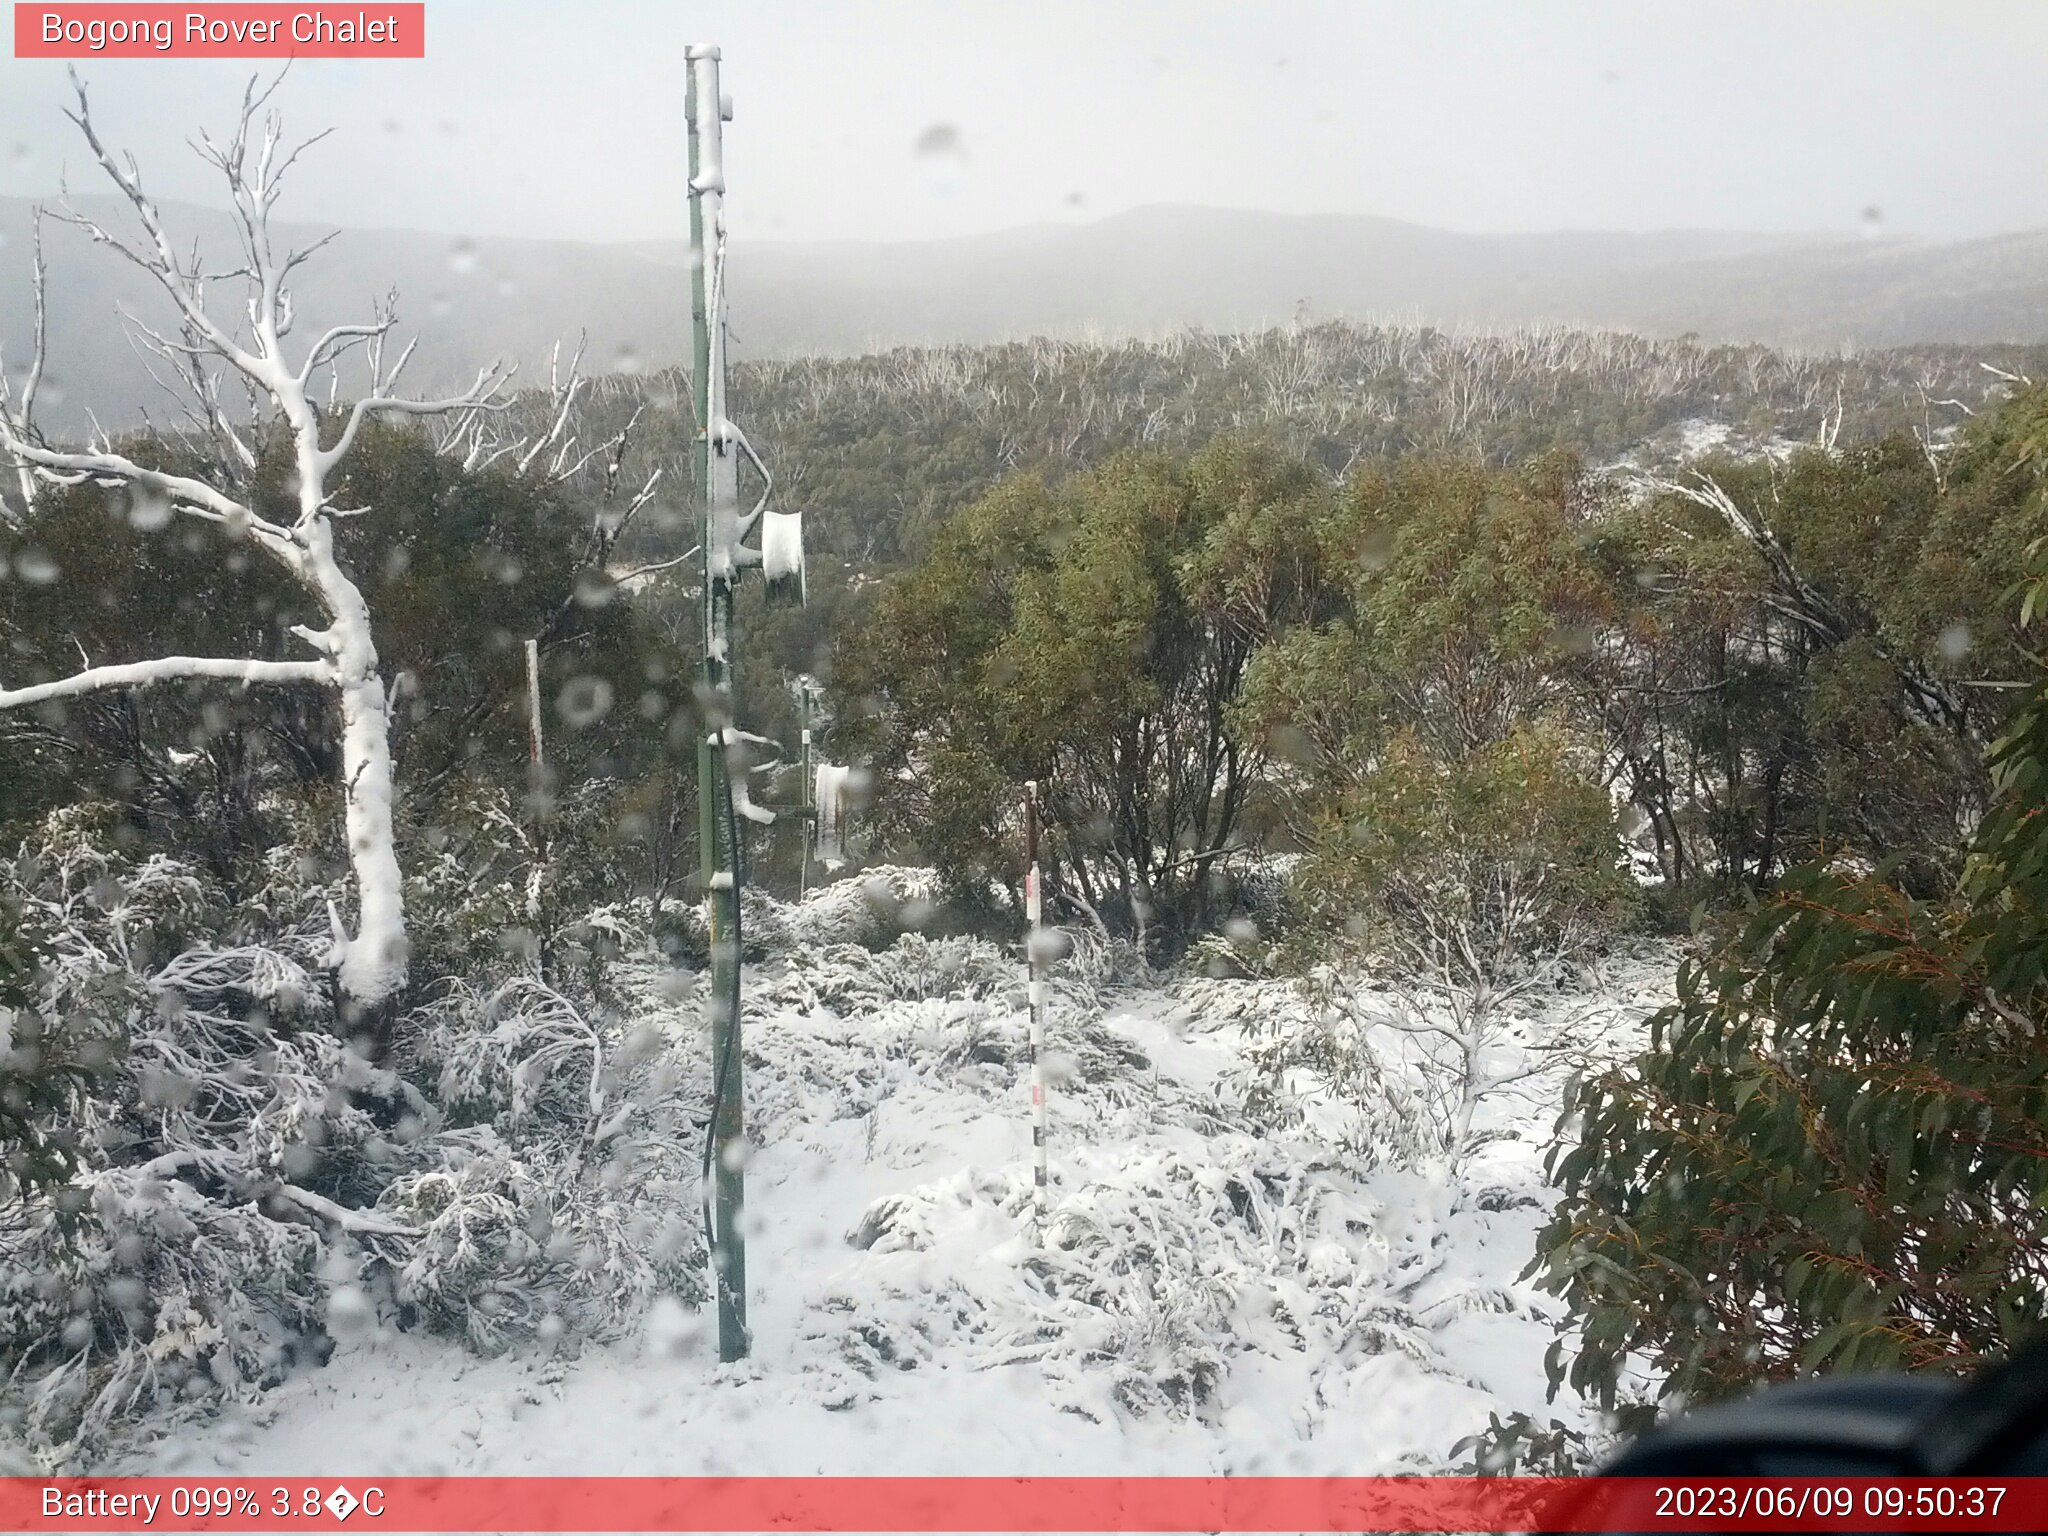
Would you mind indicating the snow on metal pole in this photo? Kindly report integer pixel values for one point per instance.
(719, 530)
(1034, 952)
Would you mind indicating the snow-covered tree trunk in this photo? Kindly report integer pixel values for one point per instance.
(370, 963)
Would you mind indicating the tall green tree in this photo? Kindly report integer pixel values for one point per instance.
(1093, 637)
(1463, 598)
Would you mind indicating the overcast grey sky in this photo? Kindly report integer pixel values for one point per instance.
(536, 118)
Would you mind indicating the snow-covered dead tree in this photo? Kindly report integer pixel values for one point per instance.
(18, 416)
(208, 355)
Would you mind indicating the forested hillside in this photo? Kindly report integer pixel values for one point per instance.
(1147, 273)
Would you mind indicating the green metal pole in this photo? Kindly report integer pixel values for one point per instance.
(719, 858)
(803, 869)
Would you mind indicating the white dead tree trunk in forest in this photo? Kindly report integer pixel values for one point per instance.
(370, 962)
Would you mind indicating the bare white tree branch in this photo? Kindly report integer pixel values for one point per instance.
(168, 669)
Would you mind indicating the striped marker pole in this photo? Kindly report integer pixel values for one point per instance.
(1034, 953)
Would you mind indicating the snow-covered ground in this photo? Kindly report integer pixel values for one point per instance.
(1217, 1296)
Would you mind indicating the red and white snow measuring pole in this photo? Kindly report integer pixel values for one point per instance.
(1034, 954)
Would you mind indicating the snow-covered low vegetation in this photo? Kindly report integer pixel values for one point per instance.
(1245, 1269)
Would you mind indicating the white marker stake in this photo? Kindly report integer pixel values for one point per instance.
(533, 740)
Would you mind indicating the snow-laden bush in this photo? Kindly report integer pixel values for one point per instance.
(292, 904)
(1264, 887)
(1312, 1057)
(223, 1149)
(565, 1198)
(156, 1294)
(495, 879)
(851, 979)
(1239, 952)
(869, 908)
(1156, 1268)
(520, 1162)
(51, 1059)
(102, 907)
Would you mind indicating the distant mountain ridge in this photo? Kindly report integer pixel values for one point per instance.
(1145, 272)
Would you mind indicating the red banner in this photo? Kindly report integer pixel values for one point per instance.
(374, 30)
(1305, 1504)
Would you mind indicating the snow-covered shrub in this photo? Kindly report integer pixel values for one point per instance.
(522, 1165)
(564, 1197)
(50, 1058)
(1313, 1056)
(109, 909)
(1156, 1268)
(852, 980)
(869, 908)
(289, 907)
(1088, 961)
(1239, 952)
(155, 1294)
(1264, 888)
(1163, 1295)
(478, 1268)
(226, 1149)
(494, 878)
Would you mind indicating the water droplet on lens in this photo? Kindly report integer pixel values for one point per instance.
(672, 1330)
(584, 701)
(148, 510)
(350, 1311)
